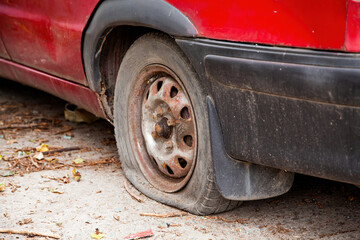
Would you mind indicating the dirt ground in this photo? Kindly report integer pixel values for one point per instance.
(41, 195)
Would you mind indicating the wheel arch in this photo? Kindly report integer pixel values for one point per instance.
(120, 23)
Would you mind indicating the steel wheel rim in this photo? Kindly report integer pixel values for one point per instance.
(163, 128)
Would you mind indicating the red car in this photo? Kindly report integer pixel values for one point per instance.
(213, 102)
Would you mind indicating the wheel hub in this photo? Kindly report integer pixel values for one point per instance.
(162, 129)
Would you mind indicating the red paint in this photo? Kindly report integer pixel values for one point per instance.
(46, 35)
(352, 42)
(296, 23)
(74, 93)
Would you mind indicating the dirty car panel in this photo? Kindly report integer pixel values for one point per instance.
(297, 110)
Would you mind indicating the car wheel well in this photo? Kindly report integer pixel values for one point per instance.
(113, 48)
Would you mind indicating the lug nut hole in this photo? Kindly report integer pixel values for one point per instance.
(169, 170)
(188, 140)
(173, 92)
(159, 85)
(185, 113)
(182, 162)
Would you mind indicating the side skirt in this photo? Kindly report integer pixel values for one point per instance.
(69, 91)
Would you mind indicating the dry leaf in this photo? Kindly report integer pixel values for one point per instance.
(75, 114)
(78, 160)
(97, 234)
(2, 187)
(20, 154)
(65, 179)
(52, 160)
(76, 175)
(39, 156)
(42, 148)
(25, 221)
(55, 190)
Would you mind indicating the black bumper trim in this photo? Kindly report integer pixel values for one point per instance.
(304, 118)
(329, 77)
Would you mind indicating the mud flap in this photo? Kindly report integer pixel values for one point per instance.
(239, 180)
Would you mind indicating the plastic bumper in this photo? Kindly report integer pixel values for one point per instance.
(296, 110)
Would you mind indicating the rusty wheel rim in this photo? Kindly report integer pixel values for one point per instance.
(163, 128)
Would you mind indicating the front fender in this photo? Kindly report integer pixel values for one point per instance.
(155, 14)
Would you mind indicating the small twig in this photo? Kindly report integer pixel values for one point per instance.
(133, 196)
(31, 125)
(3, 133)
(26, 149)
(227, 220)
(18, 158)
(39, 118)
(64, 179)
(176, 214)
(64, 131)
(62, 150)
(29, 233)
(33, 162)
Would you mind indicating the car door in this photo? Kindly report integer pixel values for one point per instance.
(46, 34)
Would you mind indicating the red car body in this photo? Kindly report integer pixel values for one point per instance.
(47, 35)
(56, 46)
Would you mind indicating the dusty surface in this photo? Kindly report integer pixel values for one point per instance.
(38, 197)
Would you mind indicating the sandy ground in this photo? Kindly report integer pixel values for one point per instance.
(42, 195)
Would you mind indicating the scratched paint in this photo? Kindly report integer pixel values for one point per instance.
(46, 35)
